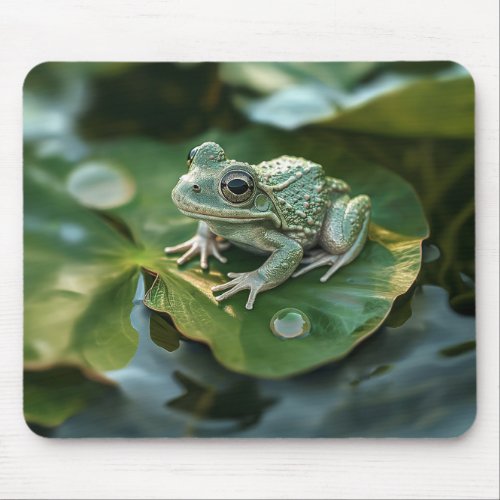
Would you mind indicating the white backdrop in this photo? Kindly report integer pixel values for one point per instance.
(182, 30)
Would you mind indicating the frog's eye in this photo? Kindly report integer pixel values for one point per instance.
(237, 186)
(191, 155)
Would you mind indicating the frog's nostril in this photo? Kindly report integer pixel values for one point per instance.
(196, 188)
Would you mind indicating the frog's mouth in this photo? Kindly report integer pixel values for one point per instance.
(245, 217)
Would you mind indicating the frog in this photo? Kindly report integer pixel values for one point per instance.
(286, 209)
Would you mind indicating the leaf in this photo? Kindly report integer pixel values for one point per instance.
(270, 77)
(163, 334)
(79, 280)
(417, 100)
(52, 396)
(293, 107)
(428, 108)
(103, 334)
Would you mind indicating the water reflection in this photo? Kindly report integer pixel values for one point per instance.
(397, 383)
(240, 401)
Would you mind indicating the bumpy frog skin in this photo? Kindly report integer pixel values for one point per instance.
(281, 208)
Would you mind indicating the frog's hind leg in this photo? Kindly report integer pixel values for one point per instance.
(343, 237)
(347, 257)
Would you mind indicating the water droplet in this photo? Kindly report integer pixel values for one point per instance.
(100, 184)
(290, 323)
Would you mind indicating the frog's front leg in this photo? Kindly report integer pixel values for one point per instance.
(342, 237)
(204, 243)
(284, 259)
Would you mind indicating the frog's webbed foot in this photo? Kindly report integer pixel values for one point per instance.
(252, 281)
(203, 243)
(316, 259)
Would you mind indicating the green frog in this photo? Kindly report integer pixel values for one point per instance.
(286, 208)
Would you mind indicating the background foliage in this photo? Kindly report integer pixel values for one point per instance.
(90, 371)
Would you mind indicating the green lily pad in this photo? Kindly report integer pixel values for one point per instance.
(427, 108)
(52, 396)
(263, 77)
(82, 282)
(79, 279)
(425, 99)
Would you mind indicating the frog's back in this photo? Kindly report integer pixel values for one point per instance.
(300, 192)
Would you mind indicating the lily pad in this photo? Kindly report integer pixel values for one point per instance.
(263, 77)
(51, 396)
(420, 100)
(427, 108)
(79, 279)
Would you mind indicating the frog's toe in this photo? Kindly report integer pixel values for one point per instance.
(313, 256)
(224, 286)
(217, 254)
(251, 298)
(194, 250)
(236, 275)
(335, 267)
(178, 248)
(241, 281)
(204, 257)
(322, 260)
(201, 245)
(235, 289)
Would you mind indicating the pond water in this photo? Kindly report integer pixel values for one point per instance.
(187, 393)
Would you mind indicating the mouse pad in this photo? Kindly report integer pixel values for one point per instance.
(249, 249)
